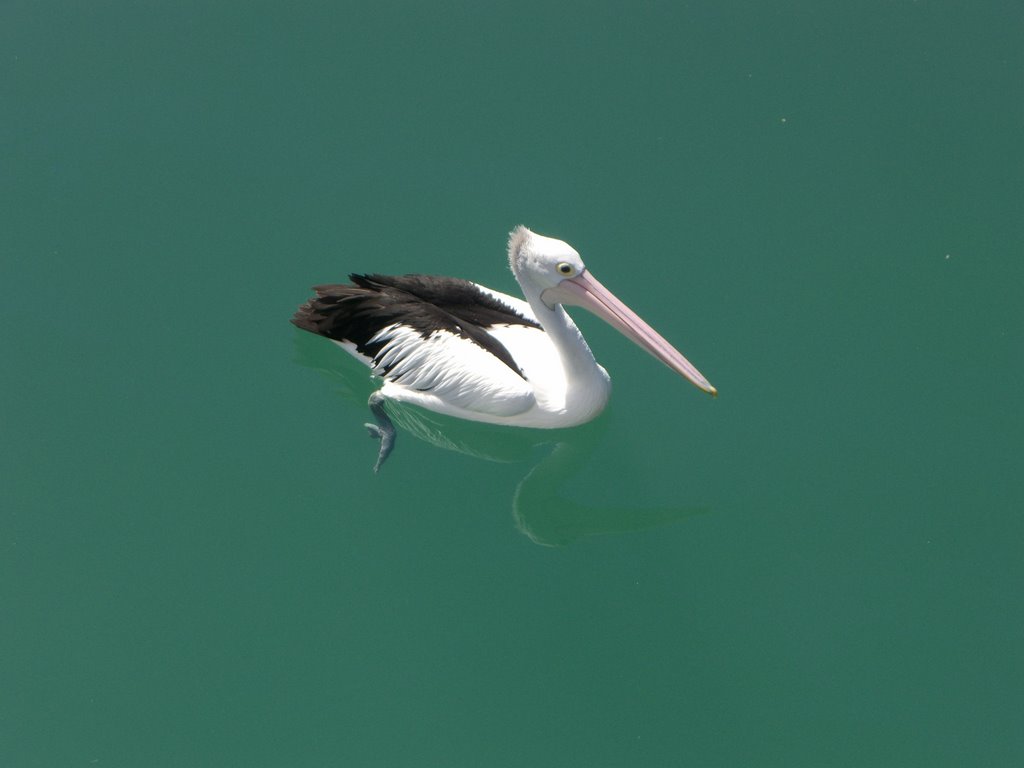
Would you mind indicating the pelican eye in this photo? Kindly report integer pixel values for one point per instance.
(565, 268)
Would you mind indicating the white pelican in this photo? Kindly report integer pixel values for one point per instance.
(458, 348)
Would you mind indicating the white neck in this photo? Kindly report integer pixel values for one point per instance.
(577, 359)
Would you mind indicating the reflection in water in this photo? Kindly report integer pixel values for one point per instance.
(539, 508)
(547, 517)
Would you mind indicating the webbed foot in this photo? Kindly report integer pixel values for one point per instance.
(383, 430)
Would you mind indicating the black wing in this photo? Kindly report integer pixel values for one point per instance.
(357, 312)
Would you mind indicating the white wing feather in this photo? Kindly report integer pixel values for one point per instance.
(453, 369)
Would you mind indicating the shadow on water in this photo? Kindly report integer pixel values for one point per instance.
(541, 508)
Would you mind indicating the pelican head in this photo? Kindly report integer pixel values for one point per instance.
(553, 271)
(542, 261)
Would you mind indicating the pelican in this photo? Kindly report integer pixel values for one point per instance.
(458, 348)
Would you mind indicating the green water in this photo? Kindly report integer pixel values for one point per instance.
(819, 203)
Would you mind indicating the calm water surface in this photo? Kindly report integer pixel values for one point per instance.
(820, 204)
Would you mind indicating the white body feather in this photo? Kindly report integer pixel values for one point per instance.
(449, 374)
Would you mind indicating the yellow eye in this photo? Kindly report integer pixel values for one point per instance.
(565, 268)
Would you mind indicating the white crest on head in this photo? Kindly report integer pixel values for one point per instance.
(517, 240)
